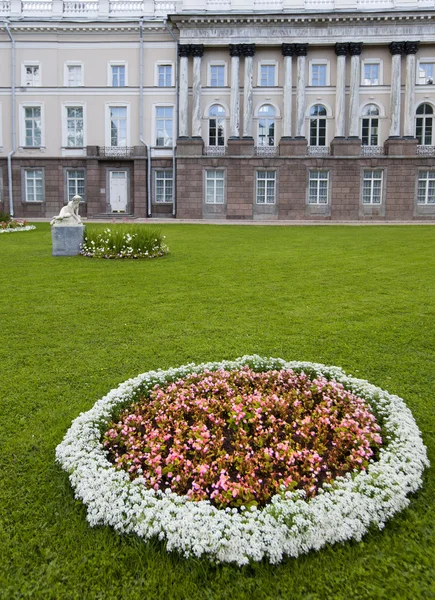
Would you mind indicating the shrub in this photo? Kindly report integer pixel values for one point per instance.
(123, 241)
(4, 217)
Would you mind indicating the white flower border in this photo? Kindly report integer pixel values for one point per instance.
(289, 525)
(17, 229)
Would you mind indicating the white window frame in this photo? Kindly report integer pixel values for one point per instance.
(164, 179)
(155, 107)
(65, 107)
(258, 178)
(267, 63)
(320, 62)
(24, 184)
(30, 63)
(214, 180)
(163, 63)
(422, 59)
(23, 124)
(73, 63)
(371, 179)
(217, 63)
(318, 179)
(69, 170)
(420, 172)
(108, 136)
(372, 61)
(117, 63)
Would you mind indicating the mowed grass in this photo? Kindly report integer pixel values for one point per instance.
(73, 328)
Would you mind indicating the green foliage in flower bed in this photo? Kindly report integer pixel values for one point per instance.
(5, 217)
(72, 329)
(123, 241)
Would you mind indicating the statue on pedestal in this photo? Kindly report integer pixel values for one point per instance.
(69, 214)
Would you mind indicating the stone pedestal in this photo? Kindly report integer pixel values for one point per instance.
(241, 147)
(401, 146)
(67, 239)
(346, 147)
(190, 146)
(293, 146)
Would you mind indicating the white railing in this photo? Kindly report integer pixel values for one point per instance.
(36, 7)
(268, 5)
(372, 151)
(125, 7)
(374, 4)
(266, 151)
(318, 151)
(5, 7)
(79, 9)
(426, 150)
(215, 150)
(319, 4)
(164, 7)
(218, 5)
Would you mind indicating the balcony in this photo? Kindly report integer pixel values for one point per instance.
(372, 151)
(266, 151)
(215, 150)
(115, 152)
(319, 151)
(426, 150)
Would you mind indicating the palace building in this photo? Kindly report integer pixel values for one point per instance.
(224, 109)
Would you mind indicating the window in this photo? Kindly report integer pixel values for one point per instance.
(73, 75)
(118, 75)
(318, 125)
(74, 126)
(426, 187)
(32, 126)
(217, 75)
(318, 74)
(118, 125)
(34, 185)
(164, 184)
(266, 187)
(164, 117)
(267, 75)
(75, 180)
(372, 187)
(370, 125)
(31, 75)
(424, 125)
(164, 75)
(318, 187)
(426, 72)
(371, 73)
(214, 182)
(216, 126)
(266, 125)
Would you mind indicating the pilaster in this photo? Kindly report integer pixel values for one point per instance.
(355, 49)
(287, 52)
(301, 53)
(340, 92)
(197, 51)
(248, 52)
(411, 49)
(236, 51)
(396, 49)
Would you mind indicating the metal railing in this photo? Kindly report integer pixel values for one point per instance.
(319, 151)
(215, 150)
(372, 151)
(426, 150)
(115, 151)
(266, 151)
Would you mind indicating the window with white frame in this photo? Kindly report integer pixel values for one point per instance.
(32, 126)
(31, 74)
(424, 125)
(75, 183)
(318, 187)
(118, 74)
(426, 72)
(217, 75)
(267, 75)
(163, 180)
(216, 125)
(164, 75)
(74, 127)
(33, 185)
(318, 125)
(370, 125)
(73, 75)
(371, 73)
(164, 125)
(265, 192)
(214, 187)
(319, 74)
(426, 188)
(118, 125)
(372, 187)
(266, 125)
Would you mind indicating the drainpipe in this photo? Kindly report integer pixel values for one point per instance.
(174, 146)
(148, 213)
(12, 152)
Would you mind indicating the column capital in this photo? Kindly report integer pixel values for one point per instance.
(248, 49)
(396, 47)
(236, 50)
(197, 49)
(355, 48)
(184, 50)
(288, 49)
(411, 47)
(301, 49)
(341, 49)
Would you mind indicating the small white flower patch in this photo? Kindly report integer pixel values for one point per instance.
(17, 229)
(289, 525)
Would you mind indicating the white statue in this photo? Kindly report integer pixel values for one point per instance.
(69, 214)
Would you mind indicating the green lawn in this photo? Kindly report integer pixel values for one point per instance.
(73, 328)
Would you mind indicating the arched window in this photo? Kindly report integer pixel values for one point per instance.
(266, 125)
(216, 125)
(318, 125)
(424, 125)
(370, 125)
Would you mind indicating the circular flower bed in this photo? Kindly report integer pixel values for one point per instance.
(14, 226)
(185, 453)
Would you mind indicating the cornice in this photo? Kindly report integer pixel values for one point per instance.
(37, 25)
